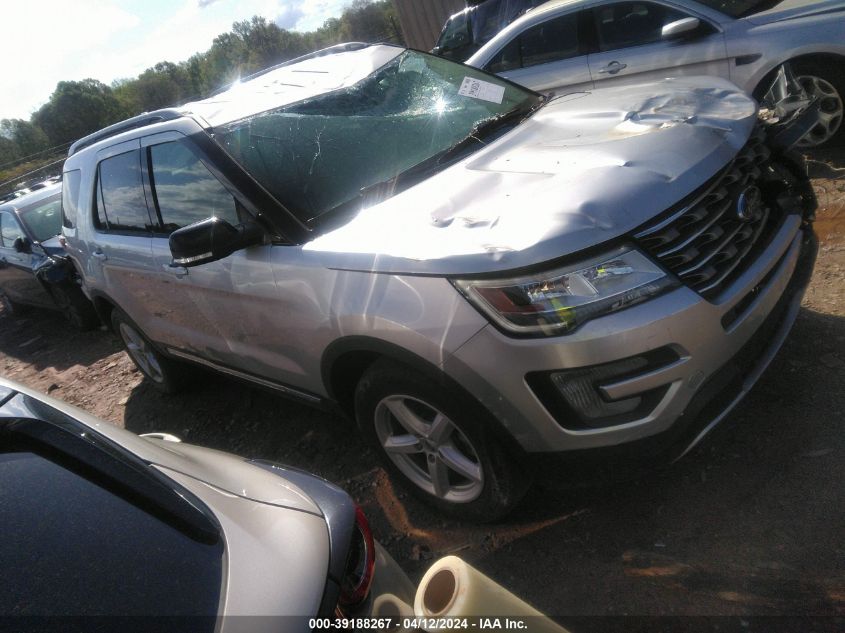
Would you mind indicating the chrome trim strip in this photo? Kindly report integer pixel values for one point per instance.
(244, 376)
(645, 382)
(188, 260)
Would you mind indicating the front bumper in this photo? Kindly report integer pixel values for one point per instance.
(719, 351)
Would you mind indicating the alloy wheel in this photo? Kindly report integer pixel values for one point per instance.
(830, 110)
(141, 352)
(429, 448)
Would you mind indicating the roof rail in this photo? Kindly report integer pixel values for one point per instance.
(142, 120)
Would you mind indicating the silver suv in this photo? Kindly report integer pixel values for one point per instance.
(476, 274)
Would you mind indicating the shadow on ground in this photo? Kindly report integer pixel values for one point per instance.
(43, 339)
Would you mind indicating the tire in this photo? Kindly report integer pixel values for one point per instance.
(166, 375)
(74, 305)
(12, 308)
(827, 82)
(439, 445)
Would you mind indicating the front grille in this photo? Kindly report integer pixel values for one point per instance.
(703, 241)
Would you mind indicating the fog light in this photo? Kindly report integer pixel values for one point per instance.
(580, 388)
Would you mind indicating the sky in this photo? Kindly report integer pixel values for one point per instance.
(47, 41)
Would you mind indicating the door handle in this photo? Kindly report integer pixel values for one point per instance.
(176, 271)
(100, 255)
(612, 68)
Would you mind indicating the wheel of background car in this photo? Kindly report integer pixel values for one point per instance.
(166, 375)
(12, 308)
(827, 83)
(74, 305)
(433, 438)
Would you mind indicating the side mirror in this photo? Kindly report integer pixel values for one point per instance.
(680, 28)
(211, 239)
(22, 245)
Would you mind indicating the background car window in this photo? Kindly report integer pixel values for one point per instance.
(547, 42)
(10, 229)
(44, 220)
(550, 41)
(124, 207)
(509, 58)
(632, 23)
(186, 192)
(70, 197)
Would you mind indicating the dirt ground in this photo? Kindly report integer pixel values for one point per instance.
(751, 523)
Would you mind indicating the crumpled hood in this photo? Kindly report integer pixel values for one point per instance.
(791, 9)
(584, 169)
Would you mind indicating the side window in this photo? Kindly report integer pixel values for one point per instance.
(122, 204)
(70, 197)
(632, 23)
(550, 41)
(185, 190)
(9, 228)
(506, 59)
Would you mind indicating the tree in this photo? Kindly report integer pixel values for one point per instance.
(28, 138)
(77, 108)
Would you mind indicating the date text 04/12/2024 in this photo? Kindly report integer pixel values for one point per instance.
(425, 624)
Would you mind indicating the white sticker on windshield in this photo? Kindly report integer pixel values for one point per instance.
(478, 89)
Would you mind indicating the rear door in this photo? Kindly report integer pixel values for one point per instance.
(630, 47)
(547, 57)
(16, 278)
(122, 254)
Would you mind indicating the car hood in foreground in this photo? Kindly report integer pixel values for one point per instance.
(792, 9)
(585, 169)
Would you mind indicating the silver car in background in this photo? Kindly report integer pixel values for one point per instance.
(475, 273)
(98, 521)
(570, 45)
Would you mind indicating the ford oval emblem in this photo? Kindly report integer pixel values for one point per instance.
(749, 205)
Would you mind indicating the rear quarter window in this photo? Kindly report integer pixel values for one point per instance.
(70, 197)
(122, 204)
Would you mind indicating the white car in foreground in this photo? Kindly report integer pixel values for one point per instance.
(581, 44)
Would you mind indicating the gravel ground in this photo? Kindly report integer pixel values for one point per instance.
(751, 523)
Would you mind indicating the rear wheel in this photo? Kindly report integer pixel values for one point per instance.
(74, 305)
(166, 375)
(433, 438)
(12, 308)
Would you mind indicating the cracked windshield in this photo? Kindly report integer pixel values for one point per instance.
(318, 155)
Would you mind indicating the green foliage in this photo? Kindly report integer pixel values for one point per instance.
(77, 108)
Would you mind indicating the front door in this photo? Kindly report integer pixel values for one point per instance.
(631, 49)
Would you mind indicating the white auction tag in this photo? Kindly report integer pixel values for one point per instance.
(478, 89)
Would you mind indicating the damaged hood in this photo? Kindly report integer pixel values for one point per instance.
(584, 169)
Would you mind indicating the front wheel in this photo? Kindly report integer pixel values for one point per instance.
(166, 375)
(827, 85)
(438, 442)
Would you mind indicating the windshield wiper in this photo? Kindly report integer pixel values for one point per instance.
(485, 129)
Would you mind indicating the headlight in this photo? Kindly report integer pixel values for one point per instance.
(559, 301)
